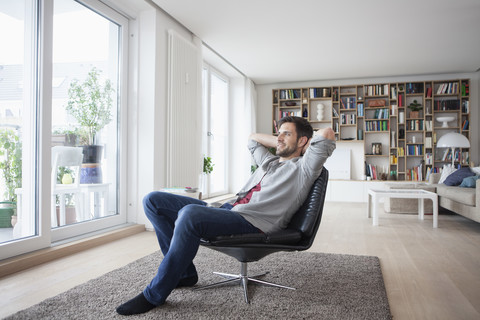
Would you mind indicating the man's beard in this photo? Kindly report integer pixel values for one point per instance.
(286, 152)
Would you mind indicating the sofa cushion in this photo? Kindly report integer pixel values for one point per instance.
(465, 195)
(446, 171)
(457, 177)
(469, 182)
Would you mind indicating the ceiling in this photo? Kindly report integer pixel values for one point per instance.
(274, 41)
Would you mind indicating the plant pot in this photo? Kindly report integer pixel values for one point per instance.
(70, 215)
(91, 173)
(92, 154)
(414, 114)
(14, 220)
(6, 212)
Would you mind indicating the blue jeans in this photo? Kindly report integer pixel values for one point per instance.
(179, 224)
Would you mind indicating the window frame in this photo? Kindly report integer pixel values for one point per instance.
(41, 12)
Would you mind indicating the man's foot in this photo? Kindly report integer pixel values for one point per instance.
(137, 305)
(188, 282)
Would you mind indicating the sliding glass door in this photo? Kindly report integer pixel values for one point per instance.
(62, 85)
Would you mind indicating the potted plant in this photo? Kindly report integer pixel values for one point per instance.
(66, 175)
(415, 107)
(90, 103)
(207, 165)
(11, 166)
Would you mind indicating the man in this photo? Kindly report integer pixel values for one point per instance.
(267, 202)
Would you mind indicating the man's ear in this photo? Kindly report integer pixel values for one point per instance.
(302, 142)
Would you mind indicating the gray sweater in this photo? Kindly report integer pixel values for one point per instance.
(285, 185)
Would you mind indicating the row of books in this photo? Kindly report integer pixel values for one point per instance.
(319, 92)
(428, 125)
(466, 106)
(415, 150)
(290, 94)
(465, 125)
(414, 88)
(348, 118)
(448, 88)
(414, 125)
(465, 89)
(428, 158)
(335, 112)
(376, 90)
(415, 174)
(393, 92)
(428, 92)
(376, 125)
(372, 171)
(460, 157)
(348, 103)
(444, 105)
(289, 113)
(381, 113)
(360, 110)
(428, 142)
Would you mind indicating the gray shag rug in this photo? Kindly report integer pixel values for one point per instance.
(329, 286)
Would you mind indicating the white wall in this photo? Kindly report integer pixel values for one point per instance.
(148, 99)
(264, 107)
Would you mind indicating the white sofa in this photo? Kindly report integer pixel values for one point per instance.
(463, 201)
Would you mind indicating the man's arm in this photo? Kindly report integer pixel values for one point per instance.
(265, 140)
(326, 132)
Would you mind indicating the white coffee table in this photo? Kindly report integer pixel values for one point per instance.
(375, 195)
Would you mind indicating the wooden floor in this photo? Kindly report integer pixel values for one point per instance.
(429, 273)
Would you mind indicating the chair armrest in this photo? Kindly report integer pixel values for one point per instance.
(286, 236)
(434, 178)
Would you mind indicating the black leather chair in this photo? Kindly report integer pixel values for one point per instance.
(298, 236)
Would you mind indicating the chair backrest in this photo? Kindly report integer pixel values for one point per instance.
(66, 157)
(307, 218)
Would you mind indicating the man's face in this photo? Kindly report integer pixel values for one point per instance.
(287, 140)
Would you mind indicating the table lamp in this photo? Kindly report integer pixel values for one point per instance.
(453, 140)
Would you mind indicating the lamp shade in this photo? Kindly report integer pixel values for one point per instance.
(453, 140)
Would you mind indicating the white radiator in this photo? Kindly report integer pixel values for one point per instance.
(184, 160)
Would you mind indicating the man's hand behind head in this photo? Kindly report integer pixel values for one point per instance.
(326, 132)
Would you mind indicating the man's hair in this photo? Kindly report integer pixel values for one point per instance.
(302, 126)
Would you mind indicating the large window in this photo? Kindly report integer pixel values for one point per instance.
(84, 114)
(61, 89)
(215, 101)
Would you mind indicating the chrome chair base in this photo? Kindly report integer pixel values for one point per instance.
(243, 279)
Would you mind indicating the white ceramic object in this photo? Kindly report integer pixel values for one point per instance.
(445, 120)
(320, 110)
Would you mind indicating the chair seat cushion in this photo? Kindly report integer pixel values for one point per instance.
(286, 236)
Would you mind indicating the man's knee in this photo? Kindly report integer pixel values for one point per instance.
(190, 215)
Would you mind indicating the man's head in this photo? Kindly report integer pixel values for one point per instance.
(293, 135)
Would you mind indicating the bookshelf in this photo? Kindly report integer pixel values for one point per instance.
(398, 143)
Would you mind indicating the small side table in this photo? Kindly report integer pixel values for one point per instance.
(375, 195)
(98, 190)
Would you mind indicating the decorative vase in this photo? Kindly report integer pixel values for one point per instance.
(414, 114)
(91, 171)
(320, 109)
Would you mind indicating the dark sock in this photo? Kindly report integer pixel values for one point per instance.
(188, 282)
(137, 305)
